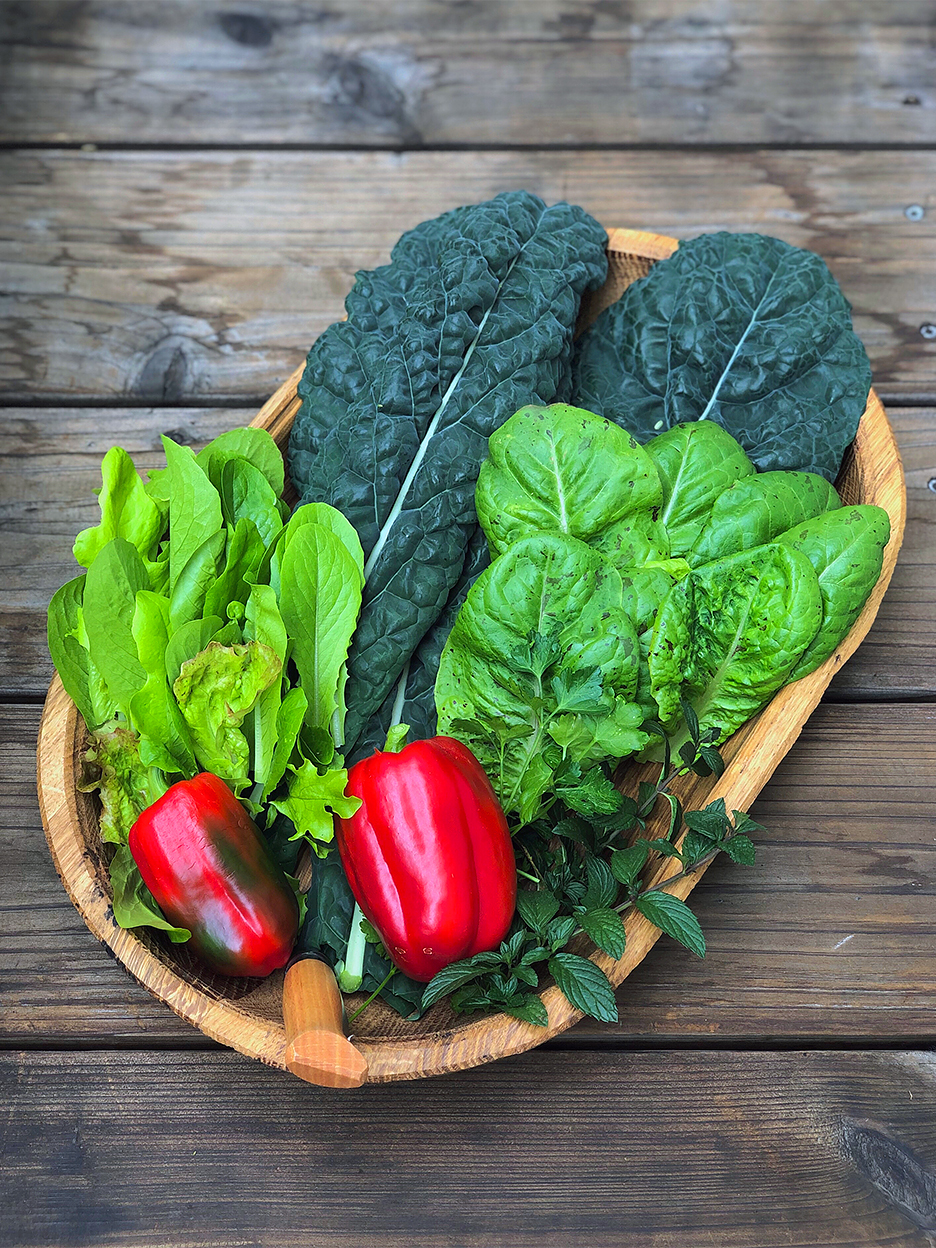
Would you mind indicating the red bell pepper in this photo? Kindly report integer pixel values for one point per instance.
(205, 862)
(428, 854)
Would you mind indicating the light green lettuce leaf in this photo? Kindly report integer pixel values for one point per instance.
(846, 549)
(68, 646)
(111, 586)
(127, 511)
(729, 634)
(215, 690)
(194, 506)
(320, 598)
(314, 799)
(165, 741)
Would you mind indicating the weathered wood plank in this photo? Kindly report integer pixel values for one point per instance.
(642, 1150)
(488, 71)
(171, 277)
(50, 464)
(829, 937)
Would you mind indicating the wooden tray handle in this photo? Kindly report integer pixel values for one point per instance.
(317, 1049)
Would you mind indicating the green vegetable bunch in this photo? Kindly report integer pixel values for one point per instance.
(640, 599)
(209, 632)
(631, 582)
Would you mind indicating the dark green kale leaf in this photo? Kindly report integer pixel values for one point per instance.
(472, 319)
(328, 926)
(741, 329)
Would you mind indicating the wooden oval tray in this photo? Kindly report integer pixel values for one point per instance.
(247, 1014)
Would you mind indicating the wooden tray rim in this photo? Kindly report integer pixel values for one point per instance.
(484, 1039)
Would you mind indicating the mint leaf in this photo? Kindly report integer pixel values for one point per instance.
(536, 909)
(606, 929)
(529, 1009)
(602, 886)
(453, 976)
(740, 848)
(673, 917)
(585, 985)
(627, 864)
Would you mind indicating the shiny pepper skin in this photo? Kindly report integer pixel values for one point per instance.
(205, 862)
(428, 854)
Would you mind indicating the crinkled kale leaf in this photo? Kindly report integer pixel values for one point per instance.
(741, 329)
(472, 319)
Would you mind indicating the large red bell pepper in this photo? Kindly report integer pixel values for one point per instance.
(428, 854)
(205, 862)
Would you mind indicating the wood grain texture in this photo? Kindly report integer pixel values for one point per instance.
(471, 73)
(168, 278)
(829, 937)
(575, 1150)
(248, 1015)
(50, 464)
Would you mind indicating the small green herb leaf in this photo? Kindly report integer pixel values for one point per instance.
(627, 864)
(536, 909)
(585, 985)
(606, 929)
(673, 917)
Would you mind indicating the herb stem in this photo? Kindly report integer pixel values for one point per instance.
(377, 991)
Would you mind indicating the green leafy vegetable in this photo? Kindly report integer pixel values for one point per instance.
(728, 636)
(740, 329)
(697, 463)
(111, 584)
(846, 549)
(674, 917)
(194, 507)
(314, 799)
(757, 509)
(127, 511)
(320, 599)
(472, 318)
(547, 471)
(540, 667)
(215, 690)
(68, 646)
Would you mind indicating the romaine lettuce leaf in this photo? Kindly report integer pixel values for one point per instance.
(846, 549)
(729, 635)
(757, 509)
(540, 669)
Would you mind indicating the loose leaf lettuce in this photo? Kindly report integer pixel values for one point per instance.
(109, 601)
(68, 646)
(472, 318)
(740, 329)
(215, 690)
(127, 511)
(194, 506)
(320, 597)
(112, 766)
